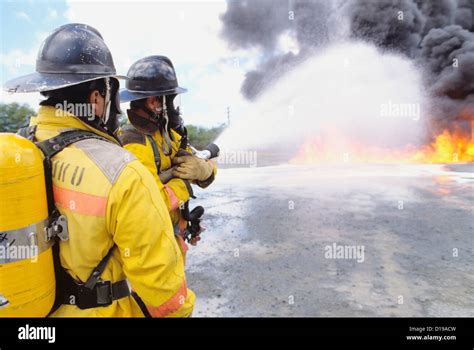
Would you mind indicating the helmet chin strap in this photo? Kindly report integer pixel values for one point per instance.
(166, 136)
(107, 102)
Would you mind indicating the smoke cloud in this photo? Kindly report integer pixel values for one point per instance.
(392, 24)
(447, 55)
(437, 35)
(437, 14)
(249, 24)
(464, 15)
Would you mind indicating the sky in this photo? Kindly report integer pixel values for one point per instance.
(188, 32)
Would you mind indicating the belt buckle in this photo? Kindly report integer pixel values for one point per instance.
(86, 298)
(104, 293)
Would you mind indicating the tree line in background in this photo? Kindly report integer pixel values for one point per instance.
(14, 116)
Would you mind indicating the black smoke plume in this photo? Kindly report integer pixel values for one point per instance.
(249, 24)
(437, 34)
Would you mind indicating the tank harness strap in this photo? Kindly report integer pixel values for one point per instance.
(156, 153)
(94, 292)
(166, 145)
(184, 138)
(141, 304)
(95, 275)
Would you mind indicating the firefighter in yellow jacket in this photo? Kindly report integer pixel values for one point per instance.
(117, 221)
(155, 132)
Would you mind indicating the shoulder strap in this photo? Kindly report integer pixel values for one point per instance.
(97, 272)
(156, 153)
(184, 138)
(54, 145)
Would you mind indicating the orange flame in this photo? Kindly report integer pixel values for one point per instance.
(447, 147)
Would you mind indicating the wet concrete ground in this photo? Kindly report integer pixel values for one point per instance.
(263, 253)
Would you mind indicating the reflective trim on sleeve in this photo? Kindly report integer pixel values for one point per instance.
(174, 202)
(172, 305)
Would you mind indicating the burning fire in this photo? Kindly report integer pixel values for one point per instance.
(447, 147)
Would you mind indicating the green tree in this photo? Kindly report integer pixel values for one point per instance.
(200, 137)
(14, 116)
